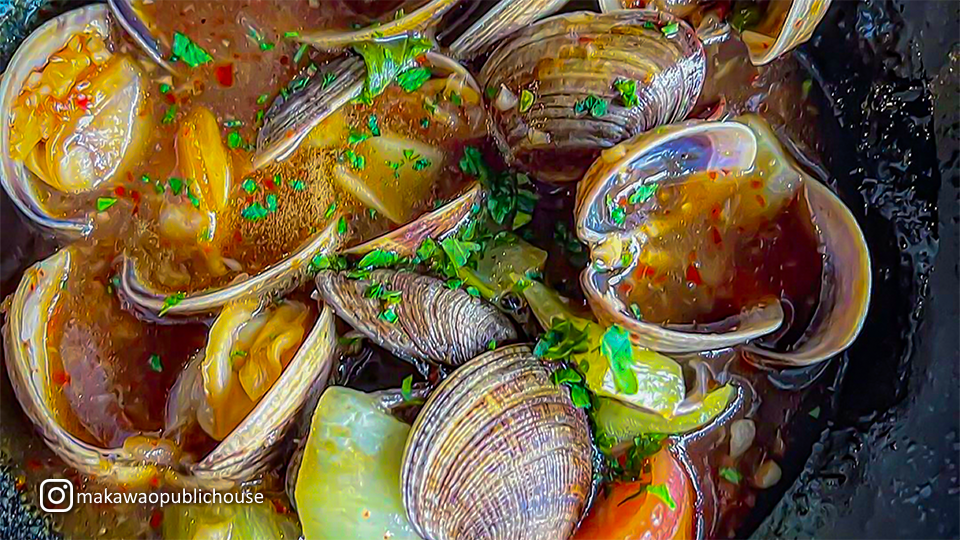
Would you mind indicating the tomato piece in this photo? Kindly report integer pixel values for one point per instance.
(619, 513)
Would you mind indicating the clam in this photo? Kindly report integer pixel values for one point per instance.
(531, 476)
(421, 17)
(431, 321)
(615, 218)
(780, 26)
(501, 20)
(584, 82)
(46, 155)
(241, 453)
(679, 8)
(290, 121)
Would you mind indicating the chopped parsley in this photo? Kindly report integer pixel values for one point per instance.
(357, 161)
(327, 262)
(661, 491)
(424, 122)
(176, 185)
(421, 164)
(330, 210)
(378, 258)
(815, 413)
(342, 226)
(491, 345)
(374, 125)
(105, 202)
(262, 98)
(642, 193)
(328, 79)
(170, 115)
(406, 389)
(170, 301)
(165, 88)
(272, 202)
(526, 100)
(616, 347)
(628, 92)
(297, 185)
(254, 212)
(389, 315)
(670, 29)
(731, 475)
(155, 363)
(593, 105)
(249, 185)
(413, 78)
(234, 140)
(385, 60)
(189, 52)
(356, 137)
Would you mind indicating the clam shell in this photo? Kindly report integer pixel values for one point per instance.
(695, 146)
(845, 294)
(33, 53)
(244, 453)
(434, 323)
(133, 24)
(799, 23)
(415, 22)
(503, 19)
(567, 58)
(498, 452)
(437, 225)
(276, 280)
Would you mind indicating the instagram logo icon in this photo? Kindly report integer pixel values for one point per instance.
(56, 495)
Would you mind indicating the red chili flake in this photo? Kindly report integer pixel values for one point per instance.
(717, 239)
(625, 288)
(61, 378)
(120, 191)
(284, 60)
(237, 236)
(693, 275)
(20, 483)
(756, 184)
(82, 101)
(169, 98)
(585, 39)
(154, 481)
(712, 175)
(715, 212)
(135, 195)
(33, 464)
(761, 201)
(422, 60)
(279, 507)
(156, 518)
(650, 271)
(224, 75)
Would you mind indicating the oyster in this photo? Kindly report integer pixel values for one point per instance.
(615, 217)
(431, 322)
(243, 452)
(531, 477)
(780, 26)
(43, 151)
(586, 82)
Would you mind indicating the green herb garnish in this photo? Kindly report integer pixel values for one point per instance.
(176, 185)
(406, 389)
(592, 105)
(731, 475)
(155, 363)
(170, 301)
(342, 226)
(374, 125)
(188, 51)
(628, 92)
(386, 59)
(413, 78)
(526, 100)
(254, 212)
(616, 347)
(378, 258)
(170, 115)
(670, 29)
(357, 161)
(105, 202)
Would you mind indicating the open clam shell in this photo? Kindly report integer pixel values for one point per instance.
(785, 24)
(418, 20)
(503, 19)
(276, 280)
(127, 16)
(33, 53)
(569, 66)
(245, 452)
(680, 8)
(739, 145)
(694, 147)
(531, 477)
